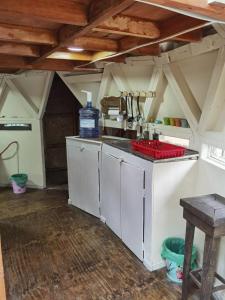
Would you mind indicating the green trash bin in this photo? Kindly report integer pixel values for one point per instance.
(173, 254)
(19, 182)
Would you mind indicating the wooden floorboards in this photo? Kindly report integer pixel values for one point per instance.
(55, 252)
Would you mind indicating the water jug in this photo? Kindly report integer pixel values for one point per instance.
(89, 119)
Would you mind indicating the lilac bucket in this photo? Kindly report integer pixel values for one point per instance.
(19, 182)
(17, 189)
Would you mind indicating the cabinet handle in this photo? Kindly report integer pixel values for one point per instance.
(82, 149)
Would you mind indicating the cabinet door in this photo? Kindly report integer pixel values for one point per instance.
(132, 198)
(83, 177)
(110, 192)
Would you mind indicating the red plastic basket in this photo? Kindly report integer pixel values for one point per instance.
(157, 149)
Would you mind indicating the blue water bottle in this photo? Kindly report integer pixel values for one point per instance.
(89, 118)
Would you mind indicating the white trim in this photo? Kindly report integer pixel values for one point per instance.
(158, 84)
(183, 93)
(46, 92)
(27, 100)
(84, 78)
(154, 266)
(215, 95)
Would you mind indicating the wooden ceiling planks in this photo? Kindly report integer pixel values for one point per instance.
(37, 29)
(60, 11)
(200, 7)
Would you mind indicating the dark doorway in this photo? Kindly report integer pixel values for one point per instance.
(60, 120)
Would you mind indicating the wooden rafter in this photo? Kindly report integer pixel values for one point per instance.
(48, 64)
(19, 49)
(97, 17)
(130, 26)
(60, 11)
(95, 44)
(191, 37)
(23, 34)
(199, 7)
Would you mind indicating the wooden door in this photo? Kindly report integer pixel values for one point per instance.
(132, 199)
(110, 192)
(83, 170)
(60, 120)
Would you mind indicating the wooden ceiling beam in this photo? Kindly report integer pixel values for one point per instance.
(71, 56)
(178, 24)
(191, 37)
(99, 11)
(19, 49)
(130, 42)
(23, 34)
(124, 25)
(60, 11)
(95, 44)
(16, 62)
(199, 7)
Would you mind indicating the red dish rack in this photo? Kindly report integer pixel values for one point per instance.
(157, 149)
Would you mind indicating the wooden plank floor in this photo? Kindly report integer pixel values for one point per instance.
(53, 251)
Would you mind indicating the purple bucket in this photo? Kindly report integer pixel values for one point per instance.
(17, 189)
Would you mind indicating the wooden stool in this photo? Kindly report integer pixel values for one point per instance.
(208, 214)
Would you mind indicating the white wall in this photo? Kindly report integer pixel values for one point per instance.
(30, 154)
(24, 102)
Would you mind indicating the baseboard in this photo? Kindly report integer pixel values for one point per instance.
(29, 186)
(102, 219)
(154, 266)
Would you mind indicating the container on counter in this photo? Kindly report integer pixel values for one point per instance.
(177, 122)
(172, 121)
(184, 123)
(89, 119)
(166, 121)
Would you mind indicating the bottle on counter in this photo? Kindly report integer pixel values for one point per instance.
(89, 119)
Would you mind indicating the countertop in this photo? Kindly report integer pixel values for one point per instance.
(124, 145)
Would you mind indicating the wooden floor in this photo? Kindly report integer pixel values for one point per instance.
(53, 251)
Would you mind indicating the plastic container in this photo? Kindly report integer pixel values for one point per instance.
(166, 121)
(177, 122)
(172, 121)
(19, 182)
(173, 254)
(184, 123)
(89, 119)
(157, 149)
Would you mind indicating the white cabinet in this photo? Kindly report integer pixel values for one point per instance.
(83, 176)
(132, 198)
(122, 196)
(110, 190)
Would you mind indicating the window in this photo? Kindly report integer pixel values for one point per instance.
(216, 155)
(175, 140)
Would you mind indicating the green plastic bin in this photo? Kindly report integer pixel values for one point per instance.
(173, 254)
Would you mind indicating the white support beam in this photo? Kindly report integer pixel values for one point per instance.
(183, 93)
(84, 78)
(220, 28)
(27, 100)
(45, 95)
(215, 99)
(157, 84)
(4, 89)
(104, 85)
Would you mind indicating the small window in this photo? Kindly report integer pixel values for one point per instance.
(175, 140)
(216, 155)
